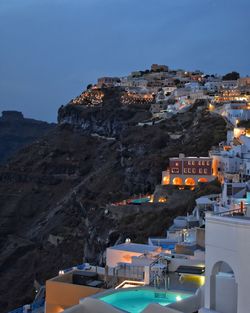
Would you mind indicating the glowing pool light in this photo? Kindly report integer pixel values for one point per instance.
(135, 300)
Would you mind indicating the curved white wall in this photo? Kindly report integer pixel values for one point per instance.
(228, 240)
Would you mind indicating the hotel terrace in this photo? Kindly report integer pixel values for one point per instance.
(146, 278)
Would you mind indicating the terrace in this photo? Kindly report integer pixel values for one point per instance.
(129, 265)
(89, 98)
(135, 98)
(66, 289)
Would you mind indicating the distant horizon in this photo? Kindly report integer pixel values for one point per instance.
(53, 49)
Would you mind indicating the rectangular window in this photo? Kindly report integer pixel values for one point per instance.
(203, 163)
(185, 170)
(189, 170)
(208, 163)
(189, 163)
(175, 170)
(200, 171)
(205, 171)
(193, 162)
(176, 164)
(199, 163)
(194, 171)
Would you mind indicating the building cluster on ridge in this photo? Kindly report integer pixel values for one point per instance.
(169, 91)
(202, 262)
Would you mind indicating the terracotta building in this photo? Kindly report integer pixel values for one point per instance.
(188, 171)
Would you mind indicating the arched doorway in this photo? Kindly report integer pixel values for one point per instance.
(202, 180)
(177, 181)
(223, 288)
(189, 181)
(166, 180)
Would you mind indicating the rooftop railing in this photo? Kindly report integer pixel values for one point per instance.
(233, 212)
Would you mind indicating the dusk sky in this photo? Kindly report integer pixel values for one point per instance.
(51, 49)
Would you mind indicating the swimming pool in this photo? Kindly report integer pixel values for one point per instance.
(140, 200)
(136, 300)
(169, 246)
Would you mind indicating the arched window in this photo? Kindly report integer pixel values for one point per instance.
(177, 181)
(203, 180)
(190, 181)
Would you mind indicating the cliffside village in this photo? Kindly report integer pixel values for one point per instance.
(172, 91)
(202, 262)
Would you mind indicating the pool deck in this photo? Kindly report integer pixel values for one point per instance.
(175, 284)
(162, 289)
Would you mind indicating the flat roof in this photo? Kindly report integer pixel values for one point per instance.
(135, 247)
(226, 219)
(203, 200)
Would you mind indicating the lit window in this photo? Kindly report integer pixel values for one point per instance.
(205, 171)
(185, 170)
(203, 163)
(200, 170)
(189, 163)
(208, 163)
(193, 162)
(189, 170)
(199, 163)
(175, 170)
(194, 171)
(176, 164)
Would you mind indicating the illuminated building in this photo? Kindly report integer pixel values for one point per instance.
(188, 171)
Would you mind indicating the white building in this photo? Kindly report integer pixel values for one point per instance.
(236, 111)
(191, 94)
(227, 264)
(125, 252)
(213, 86)
(168, 89)
(194, 86)
(233, 160)
(234, 195)
(229, 84)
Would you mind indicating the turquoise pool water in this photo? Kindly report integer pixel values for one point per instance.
(140, 200)
(136, 300)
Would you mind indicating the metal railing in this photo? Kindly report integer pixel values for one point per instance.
(232, 212)
(130, 271)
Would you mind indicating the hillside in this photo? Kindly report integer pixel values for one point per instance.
(54, 192)
(17, 132)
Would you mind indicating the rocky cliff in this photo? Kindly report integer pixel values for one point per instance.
(53, 193)
(17, 132)
(110, 118)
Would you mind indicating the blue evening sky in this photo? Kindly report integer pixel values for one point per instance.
(51, 49)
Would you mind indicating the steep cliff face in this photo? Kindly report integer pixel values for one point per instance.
(59, 187)
(109, 118)
(16, 132)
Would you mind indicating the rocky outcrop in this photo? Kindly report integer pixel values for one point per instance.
(109, 119)
(17, 132)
